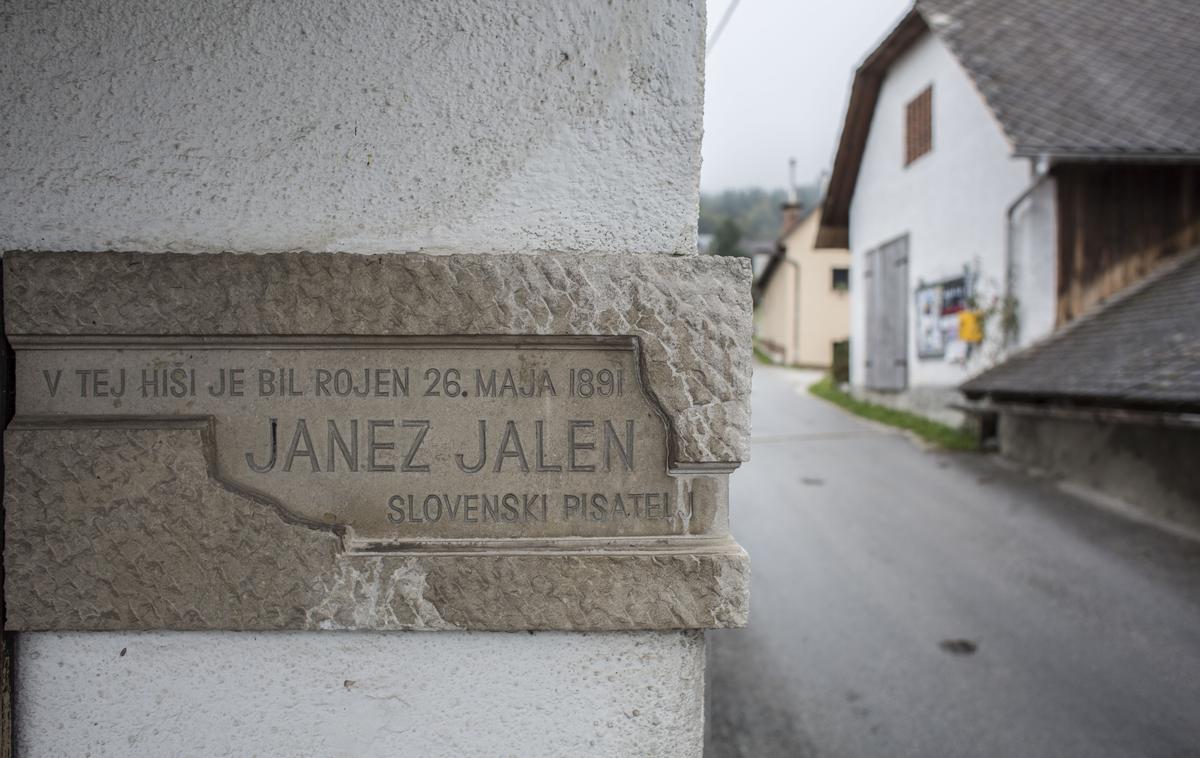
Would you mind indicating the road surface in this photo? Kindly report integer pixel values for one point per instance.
(914, 603)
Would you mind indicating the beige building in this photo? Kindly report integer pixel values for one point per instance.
(802, 295)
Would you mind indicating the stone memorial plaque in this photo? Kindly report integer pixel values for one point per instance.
(453, 444)
(374, 442)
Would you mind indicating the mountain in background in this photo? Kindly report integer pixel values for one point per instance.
(735, 219)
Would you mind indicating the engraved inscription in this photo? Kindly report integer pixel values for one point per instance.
(403, 443)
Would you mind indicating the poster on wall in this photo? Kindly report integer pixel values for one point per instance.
(938, 309)
(954, 302)
(931, 342)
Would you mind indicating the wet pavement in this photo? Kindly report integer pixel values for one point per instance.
(908, 602)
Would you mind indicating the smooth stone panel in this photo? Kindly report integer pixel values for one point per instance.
(391, 441)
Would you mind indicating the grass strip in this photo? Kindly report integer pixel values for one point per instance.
(941, 435)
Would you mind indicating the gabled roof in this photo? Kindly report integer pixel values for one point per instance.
(1140, 351)
(1067, 79)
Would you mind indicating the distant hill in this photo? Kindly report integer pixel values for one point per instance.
(754, 214)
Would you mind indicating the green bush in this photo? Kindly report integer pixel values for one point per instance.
(840, 371)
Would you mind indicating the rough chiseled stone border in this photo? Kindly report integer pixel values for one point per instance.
(124, 528)
(692, 316)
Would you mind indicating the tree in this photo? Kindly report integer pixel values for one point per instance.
(727, 239)
(756, 211)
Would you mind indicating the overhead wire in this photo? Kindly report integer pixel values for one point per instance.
(716, 35)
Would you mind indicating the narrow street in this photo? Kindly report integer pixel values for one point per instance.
(908, 602)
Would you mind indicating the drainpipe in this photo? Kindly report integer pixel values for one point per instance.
(1041, 171)
(795, 305)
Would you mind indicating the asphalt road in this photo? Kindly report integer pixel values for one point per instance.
(914, 603)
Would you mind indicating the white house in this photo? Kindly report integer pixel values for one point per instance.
(988, 149)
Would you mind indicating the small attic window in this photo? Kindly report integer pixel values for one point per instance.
(841, 279)
(918, 126)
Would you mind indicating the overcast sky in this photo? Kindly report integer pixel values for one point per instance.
(777, 82)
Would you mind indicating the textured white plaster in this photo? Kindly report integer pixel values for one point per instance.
(366, 125)
(359, 694)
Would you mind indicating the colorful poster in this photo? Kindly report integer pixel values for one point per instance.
(931, 341)
(938, 309)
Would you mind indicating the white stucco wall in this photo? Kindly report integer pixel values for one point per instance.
(369, 125)
(950, 202)
(1035, 263)
(359, 694)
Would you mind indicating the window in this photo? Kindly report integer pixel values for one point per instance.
(918, 126)
(841, 279)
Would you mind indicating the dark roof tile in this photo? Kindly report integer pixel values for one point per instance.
(1143, 349)
(1081, 76)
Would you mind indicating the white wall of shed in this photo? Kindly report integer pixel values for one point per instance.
(1035, 263)
(950, 202)
(365, 126)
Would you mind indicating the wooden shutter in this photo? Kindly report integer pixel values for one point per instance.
(918, 126)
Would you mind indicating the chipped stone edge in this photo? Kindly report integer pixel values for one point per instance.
(368, 587)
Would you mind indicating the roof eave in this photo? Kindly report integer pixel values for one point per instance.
(1102, 410)
(1101, 155)
(864, 92)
